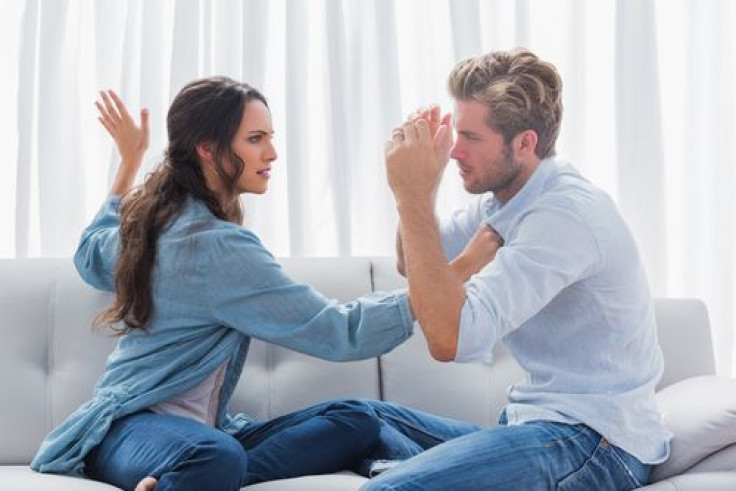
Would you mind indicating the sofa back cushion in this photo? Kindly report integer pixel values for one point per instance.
(26, 296)
(683, 328)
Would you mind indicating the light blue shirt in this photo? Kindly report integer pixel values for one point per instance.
(214, 287)
(568, 297)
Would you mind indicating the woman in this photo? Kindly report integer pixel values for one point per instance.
(192, 287)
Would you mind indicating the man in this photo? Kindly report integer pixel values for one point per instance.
(566, 293)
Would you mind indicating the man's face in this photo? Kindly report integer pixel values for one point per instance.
(486, 163)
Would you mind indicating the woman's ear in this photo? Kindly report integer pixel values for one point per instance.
(204, 152)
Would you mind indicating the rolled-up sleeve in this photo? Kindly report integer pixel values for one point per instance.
(249, 291)
(97, 253)
(552, 249)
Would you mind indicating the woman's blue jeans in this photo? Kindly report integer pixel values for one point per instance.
(531, 456)
(184, 454)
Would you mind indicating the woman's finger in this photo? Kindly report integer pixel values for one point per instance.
(107, 126)
(101, 109)
(111, 111)
(119, 105)
(104, 117)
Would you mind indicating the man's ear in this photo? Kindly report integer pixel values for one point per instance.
(204, 152)
(525, 143)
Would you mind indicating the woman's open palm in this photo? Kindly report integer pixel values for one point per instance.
(131, 138)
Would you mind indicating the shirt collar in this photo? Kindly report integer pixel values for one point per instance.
(501, 215)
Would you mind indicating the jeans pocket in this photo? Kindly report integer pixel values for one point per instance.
(603, 470)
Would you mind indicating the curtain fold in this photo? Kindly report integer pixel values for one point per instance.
(340, 137)
(297, 80)
(708, 204)
(58, 124)
(650, 114)
(465, 28)
(25, 127)
(639, 135)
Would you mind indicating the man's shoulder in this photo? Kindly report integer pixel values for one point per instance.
(568, 189)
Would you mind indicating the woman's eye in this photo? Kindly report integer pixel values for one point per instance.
(255, 138)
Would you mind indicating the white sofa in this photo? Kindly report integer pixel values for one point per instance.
(50, 359)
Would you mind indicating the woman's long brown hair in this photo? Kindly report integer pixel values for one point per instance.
(204, 111)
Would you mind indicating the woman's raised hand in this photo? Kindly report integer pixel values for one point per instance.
(131, 138)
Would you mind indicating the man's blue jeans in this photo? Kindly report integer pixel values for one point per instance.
(532, 456)
(184, 454)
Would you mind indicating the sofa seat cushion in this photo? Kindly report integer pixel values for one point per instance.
(342, 481)
(22, 478)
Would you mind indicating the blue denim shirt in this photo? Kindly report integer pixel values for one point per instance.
(214, 286)
(569, 299)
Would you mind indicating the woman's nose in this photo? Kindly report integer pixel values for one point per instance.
(271, 153)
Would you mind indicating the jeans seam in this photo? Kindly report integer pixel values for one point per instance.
(576, 475)
(581, 432)
(625, 466)
(414, 427)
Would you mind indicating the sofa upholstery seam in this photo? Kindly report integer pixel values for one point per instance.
(51, 350)
(379, 359)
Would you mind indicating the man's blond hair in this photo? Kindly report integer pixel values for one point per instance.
(521, 92)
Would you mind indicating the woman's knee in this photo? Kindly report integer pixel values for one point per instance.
(224, 452)
(357, 415)
(219, 463)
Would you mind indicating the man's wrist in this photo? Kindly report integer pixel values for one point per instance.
(415, 206)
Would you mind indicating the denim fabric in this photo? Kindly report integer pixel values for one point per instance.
(530, 456)
(184, 454)
(406, 432)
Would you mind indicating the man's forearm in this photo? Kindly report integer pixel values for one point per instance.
(400, 263)
(436, 294)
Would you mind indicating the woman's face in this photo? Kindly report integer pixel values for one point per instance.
(253, 144)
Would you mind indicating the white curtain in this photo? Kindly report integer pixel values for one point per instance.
(649, 113)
